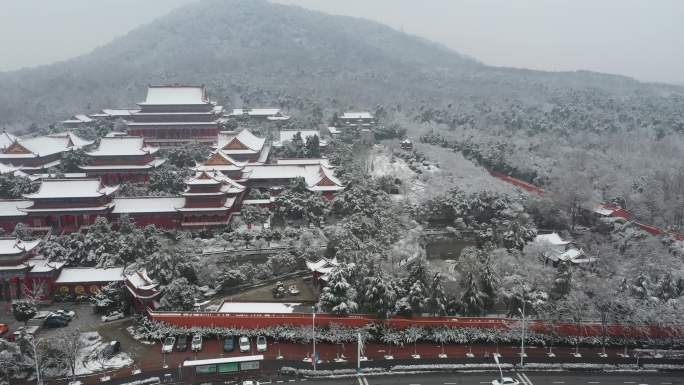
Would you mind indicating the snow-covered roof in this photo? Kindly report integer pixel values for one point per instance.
(6, 139)
(48, 145)
(42, 265)
(334, 130)
(122, 146)
(90, 274)
(228, 185)
(262, 307)
(13, 246)
(256, 111)
(119, 112)
(605, 211)
(12, 208)
(67, 175)
(178, 95)
(306, 161)
(9, 169)
(214, 361)
(570, 254)
(313, 174)
(357, 115)
(149, 165)
(323, 265)
(147, 205)
(80, 118)
(553, 239)
(141, 281)
(252, 142)
(71, 188)
(74, 139)
(220, 161)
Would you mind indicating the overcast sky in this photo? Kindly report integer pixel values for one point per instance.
(639, 38)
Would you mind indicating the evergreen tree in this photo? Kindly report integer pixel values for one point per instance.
(24, 309)
(436, 302)
(179, 295)
(417, 296)
(338, 297)
(488, 282)
(562, 281)
(472, 299)
(313, 149)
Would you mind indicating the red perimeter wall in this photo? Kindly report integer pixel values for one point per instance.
(247, 321)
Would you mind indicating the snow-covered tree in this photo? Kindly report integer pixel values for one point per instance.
(436, 302)
(24, 309)
(472, 298)
(338, 296)
(109, 298)
(179, 295)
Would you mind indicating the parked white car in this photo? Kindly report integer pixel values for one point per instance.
(113, 316)
(167, 346)
(261, 344)
(196, 344)
(244, 345)
(505, 381)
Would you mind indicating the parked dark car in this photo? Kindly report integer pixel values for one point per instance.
(182, 343)
(229, 344)
(55, 322)
(112, 349)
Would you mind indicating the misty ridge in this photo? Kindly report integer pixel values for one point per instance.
(622, 135)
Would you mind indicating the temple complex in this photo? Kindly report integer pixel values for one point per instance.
(175, 115)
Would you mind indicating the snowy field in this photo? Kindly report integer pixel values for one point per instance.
(454, 171)
(457, 171)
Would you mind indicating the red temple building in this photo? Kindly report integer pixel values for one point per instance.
(210, 199)
(223, 163)
(144, 291)
(317, 174)
(23, 272)
(86, 280)
(68, 204)
(122, 159)
(243, 146)
(35, 155)
(175, 115)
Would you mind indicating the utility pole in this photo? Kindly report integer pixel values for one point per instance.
(358, 354)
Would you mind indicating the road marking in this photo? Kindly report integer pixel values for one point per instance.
(365, 380)
(450, 383)
(268, 382)
(520, 377)
(559, 382)
(666, 383)
(280, 381)
(630, 382)
(527, 379)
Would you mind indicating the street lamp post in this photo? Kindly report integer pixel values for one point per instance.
(522, 339)
(313, 335)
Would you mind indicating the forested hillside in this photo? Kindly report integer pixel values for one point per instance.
(257, 53)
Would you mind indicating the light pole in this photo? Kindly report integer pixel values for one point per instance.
(313, 336)
(522, 340)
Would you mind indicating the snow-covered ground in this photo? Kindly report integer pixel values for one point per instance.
(457, 171)
(89, 361)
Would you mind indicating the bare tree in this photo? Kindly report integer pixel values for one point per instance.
(69, 344)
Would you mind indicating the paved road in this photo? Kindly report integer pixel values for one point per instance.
(525, 378)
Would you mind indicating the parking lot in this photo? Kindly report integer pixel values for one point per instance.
(85, 319)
